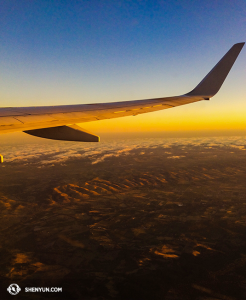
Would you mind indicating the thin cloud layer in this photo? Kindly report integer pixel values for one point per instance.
(60, 152)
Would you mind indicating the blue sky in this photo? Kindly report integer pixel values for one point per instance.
(69, 52)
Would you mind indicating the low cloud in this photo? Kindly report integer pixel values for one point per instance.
(59, 152)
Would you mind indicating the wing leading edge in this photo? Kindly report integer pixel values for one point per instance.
(51, 121)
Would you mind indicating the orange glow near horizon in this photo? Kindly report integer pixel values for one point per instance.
(210, 118)
(177, 119)
(155, 125)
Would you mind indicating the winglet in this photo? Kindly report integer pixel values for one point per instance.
(211, 83)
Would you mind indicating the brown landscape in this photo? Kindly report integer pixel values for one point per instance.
(153, 223)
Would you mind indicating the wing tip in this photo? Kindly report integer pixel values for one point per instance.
(213, 81)
(238, 45)
(241, 43)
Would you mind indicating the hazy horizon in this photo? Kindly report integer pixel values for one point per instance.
(19, 137)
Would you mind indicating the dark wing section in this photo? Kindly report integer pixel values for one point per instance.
(211, 84)
(65, 133)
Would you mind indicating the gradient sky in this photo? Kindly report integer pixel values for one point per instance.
(71, 52)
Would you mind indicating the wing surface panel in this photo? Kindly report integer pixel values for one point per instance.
(83, 113)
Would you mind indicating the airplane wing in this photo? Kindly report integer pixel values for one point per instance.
(59, 122)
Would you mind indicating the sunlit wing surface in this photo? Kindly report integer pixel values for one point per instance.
(57, 122)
